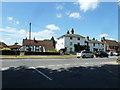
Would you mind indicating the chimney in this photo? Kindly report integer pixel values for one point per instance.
(26, 38)
(34, 38)
(72, 31)
(93, 38)
(68, 32)
(16, 43)
(88, 38)
(103, 39)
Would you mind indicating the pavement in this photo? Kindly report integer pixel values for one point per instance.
(61, 73)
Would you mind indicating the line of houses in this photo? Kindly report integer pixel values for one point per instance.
(69, 41)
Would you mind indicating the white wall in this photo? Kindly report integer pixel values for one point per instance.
(97, 46)
(60, 44)
(65, 42)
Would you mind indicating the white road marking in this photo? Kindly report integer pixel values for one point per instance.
(67, 64)
(40, 73)
(43, 74)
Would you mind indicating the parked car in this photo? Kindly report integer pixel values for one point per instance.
(101, 54)
(84, 54)
(112, 53)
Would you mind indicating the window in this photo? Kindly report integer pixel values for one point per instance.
(78, 38)
(70, 49)
(93, 44)
(78, 43)
(70, 43)
(71, 38)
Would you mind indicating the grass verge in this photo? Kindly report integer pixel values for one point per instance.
(36, 56)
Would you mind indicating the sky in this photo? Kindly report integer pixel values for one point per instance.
(93, 19)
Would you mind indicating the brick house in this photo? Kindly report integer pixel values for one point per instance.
(111, 45)
(15, 46)
(37, 45)
(3, 45)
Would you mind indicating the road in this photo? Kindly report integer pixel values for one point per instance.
(60, 73)
(56, 63)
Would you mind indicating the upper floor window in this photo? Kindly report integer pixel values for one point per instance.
(78, 38)
(93, 44)
(71, 38)
(70, 43)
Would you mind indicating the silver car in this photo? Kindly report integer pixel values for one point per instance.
(84, 54)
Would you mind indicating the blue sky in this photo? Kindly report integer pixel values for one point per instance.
(94, 19)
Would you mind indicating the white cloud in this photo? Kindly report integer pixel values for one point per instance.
(8, 38)
(86, 5)
(10, 18)
(59, 7)
(2, 40)
(16, 22)
(74, 15)
(22, 31)
(112, 39)
(52, 27)
(15, 34)
(8, 29)
(104, 35)
(13, 20)
(59, 15)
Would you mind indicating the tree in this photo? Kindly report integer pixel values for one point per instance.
(54, 42)
(80, 47)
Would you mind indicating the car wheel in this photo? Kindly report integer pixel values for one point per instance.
(83, 56)
(92, 56)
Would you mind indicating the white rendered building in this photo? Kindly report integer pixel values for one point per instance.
(70, 39)
(95, 45)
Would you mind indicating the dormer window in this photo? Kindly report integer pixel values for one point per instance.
(71, 38)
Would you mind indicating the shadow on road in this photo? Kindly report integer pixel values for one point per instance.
(106, 76)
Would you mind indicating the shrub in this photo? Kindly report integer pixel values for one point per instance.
(5, 49)
(67, 53)
(42, 53)
(52, 50)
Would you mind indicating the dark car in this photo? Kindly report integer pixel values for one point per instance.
(101, 54)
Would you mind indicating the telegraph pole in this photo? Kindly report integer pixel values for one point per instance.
(29, 36)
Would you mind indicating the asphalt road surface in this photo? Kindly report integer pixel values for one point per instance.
(60, 73)
(55, 63)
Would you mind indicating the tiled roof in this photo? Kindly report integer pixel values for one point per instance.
(112, 42)
(4, 45)
(15, 46)
(47, 44)
(94, 41)
(71, 35)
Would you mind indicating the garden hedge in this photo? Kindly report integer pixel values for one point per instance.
(42, 53)
(9, 52)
